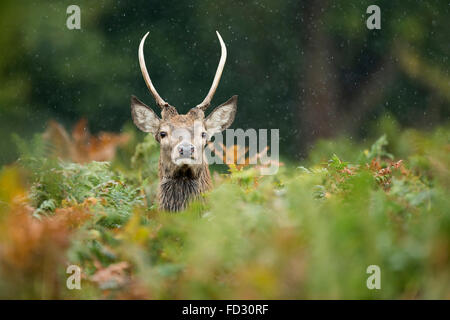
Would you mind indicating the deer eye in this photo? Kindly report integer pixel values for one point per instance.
(162, 134)
(203, 134)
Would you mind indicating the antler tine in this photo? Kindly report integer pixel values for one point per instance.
(206, 102)
(146, 76)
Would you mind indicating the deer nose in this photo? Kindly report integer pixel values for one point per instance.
(186, 149)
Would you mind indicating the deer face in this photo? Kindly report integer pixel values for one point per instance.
(182, 137)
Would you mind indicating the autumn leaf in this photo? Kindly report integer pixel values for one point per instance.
(236, 157)
(111, 277)
(81, 146)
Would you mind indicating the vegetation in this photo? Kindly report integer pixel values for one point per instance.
(363, 119)
(306, 232)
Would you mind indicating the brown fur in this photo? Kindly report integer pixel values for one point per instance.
(179, 184)
(185, 184)
(183, 171)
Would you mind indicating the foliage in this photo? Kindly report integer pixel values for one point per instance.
(61, 184)
(302, 233)
(81, 146)
(311, 69)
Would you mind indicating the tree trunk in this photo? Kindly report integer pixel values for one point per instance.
(318, 109)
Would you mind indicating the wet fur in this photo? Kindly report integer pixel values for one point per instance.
(179, 185)
(185, 184)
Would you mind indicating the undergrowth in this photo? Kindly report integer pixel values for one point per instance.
(307, 232)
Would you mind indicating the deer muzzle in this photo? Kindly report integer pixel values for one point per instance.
(186, 150)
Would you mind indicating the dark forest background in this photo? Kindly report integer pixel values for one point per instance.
(310, 68)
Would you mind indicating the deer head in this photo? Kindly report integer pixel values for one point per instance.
(183, 170)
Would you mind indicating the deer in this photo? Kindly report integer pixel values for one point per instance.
(183, 169)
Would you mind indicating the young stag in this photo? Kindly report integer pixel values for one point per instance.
(183, 170)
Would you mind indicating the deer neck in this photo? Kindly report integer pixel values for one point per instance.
(178, 187)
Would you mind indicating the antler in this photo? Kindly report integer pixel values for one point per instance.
(147, 79)
(206, 102)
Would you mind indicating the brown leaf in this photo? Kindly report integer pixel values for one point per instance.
(113, 276)
(235, 156)
(32, 252)
(81, 146)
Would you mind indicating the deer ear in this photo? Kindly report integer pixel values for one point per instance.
(221, 117)
(143, 117)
